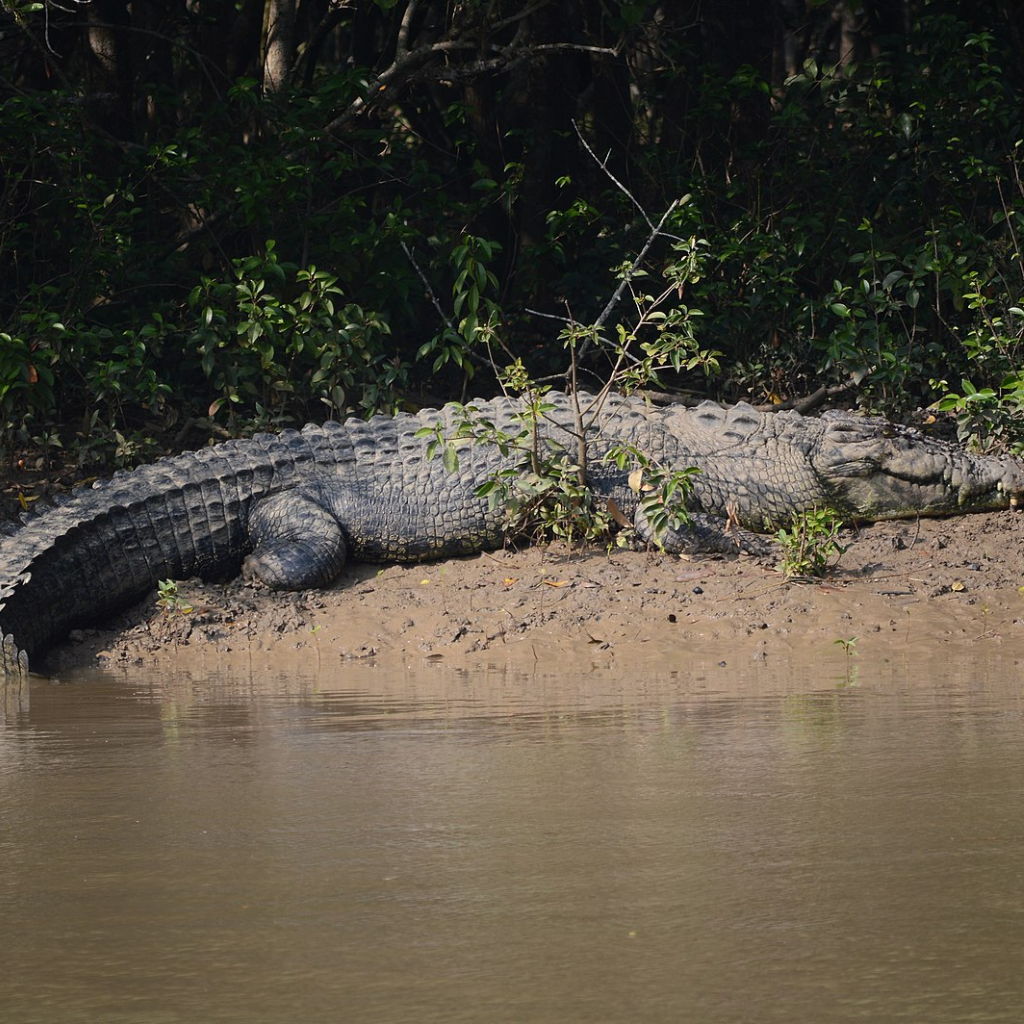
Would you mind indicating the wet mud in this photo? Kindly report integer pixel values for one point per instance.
(908, 585)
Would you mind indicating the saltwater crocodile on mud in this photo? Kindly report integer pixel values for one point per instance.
(292, 508)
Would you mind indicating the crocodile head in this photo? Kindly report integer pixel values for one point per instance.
(880, 471)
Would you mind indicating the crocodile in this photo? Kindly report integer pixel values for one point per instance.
(290, 509)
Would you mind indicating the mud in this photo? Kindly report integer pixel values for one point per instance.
(907, 585)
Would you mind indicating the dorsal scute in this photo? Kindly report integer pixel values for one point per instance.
(742, 414)
(710, 415)
(316, 430)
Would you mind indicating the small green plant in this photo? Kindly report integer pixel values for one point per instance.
(170, 600)
(47, 443)
(553, 502)
(849, 646)
(987, 419)
(810, 545)
(545, 486)
(663, 492)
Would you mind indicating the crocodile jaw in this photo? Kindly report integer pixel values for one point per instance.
(881, 471)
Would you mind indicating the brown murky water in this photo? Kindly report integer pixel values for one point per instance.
(777, 841)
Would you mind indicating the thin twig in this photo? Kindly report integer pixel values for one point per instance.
(402, 44)
(603, 164)
(550, 316)
(628, 275)
(426, 286)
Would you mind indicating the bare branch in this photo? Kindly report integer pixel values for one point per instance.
(603, 164)
(605, 51)
(327, 24)
(404, 66)
(634, 266)
(521, 17)
(426, 286)
(550, 316)
(409, 65)
(402, 45)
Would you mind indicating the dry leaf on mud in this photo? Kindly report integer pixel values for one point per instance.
(617, 514)
(555, 583)
(686, 577)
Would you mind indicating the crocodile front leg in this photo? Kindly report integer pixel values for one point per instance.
(704, 534)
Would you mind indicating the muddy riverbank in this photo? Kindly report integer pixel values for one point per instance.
(957, 581)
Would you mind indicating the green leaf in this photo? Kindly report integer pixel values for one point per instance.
(450, 459)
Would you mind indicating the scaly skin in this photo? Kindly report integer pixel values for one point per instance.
(295, 506)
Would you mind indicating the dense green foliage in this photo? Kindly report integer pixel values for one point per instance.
(262, 212)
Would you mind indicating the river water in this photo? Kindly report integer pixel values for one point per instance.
(784, 840)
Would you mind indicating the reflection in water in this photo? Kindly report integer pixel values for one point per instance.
(432, 846)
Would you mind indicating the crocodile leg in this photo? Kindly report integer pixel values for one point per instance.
(704, 534)
(297, 544)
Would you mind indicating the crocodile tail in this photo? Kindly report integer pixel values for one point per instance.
(107, 547)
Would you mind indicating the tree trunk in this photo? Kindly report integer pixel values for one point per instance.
(279, 57)
(110, 69)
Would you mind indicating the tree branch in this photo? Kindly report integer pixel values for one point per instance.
(402, 43)
(408, 67)
(628, 275)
